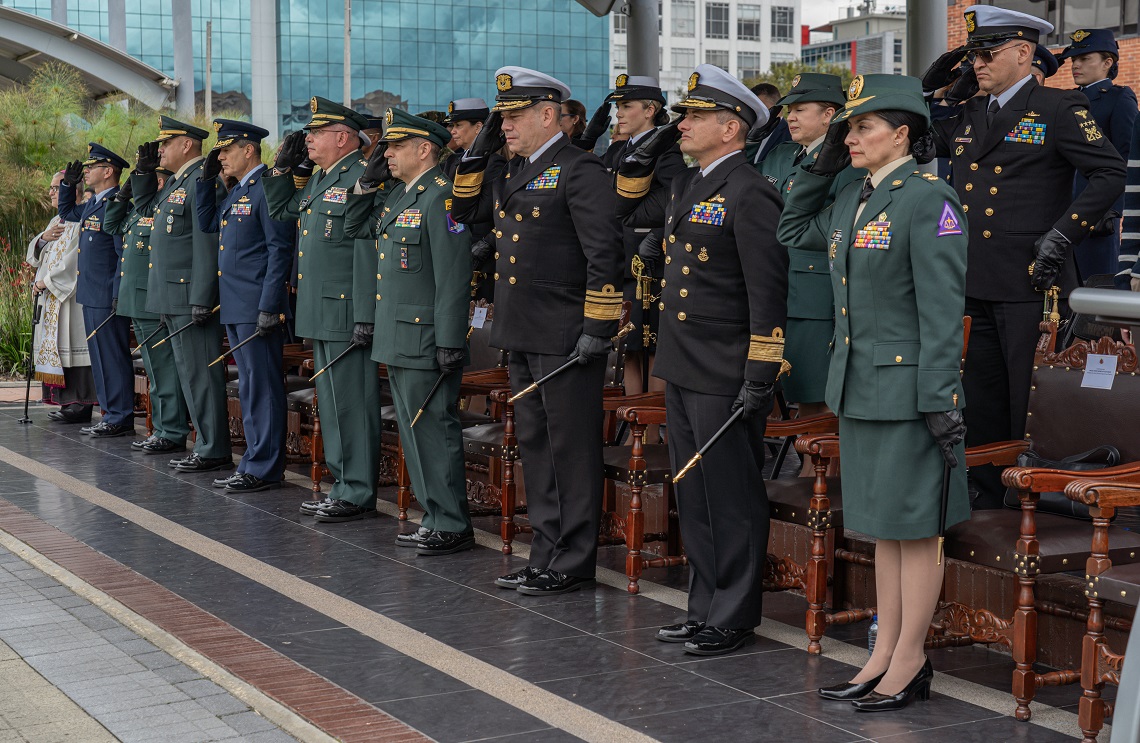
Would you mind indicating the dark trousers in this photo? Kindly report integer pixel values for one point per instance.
(110, 351)
(261, 389)
(168, 413)
(560, 442)
(203, 386)
(723, 508)
(348, 399)
(999, 364)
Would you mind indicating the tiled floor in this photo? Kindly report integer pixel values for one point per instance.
(594, 649)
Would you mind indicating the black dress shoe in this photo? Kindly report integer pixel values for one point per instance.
(552, 583)
(446, 542)
(849, 692)
(159, 445)
(195, 463)
(517, 578)
(918, 687)
(310, 507)
(718, 641)
(173, 463)
(247, 483)
(87, 430)
(680, 632)
(221, 482)
(113, 431)
(71, 414)
(143, 442)
(414, 539)
(342, 510)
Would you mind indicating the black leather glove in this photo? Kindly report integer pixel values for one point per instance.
(595, 127)
(650, 250)
(73, 173)
(488, 141)
(449, 359)
(304, 169)
(114, 305)
(377, 170)
(200, 315)
(591, 347)
(292, 152)
(147, 158)
(125, 192)
(834, 155)
(362, 334)
(643, 159)
(756, 399)
(481, 251)
(948, 430)
(267, 322)
(1052, 250)
(1107, 225)
(212, 168)
(963, 89)
(944, 71)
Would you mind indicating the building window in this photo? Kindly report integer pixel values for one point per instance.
(717, 58)
(683, 59)
(898, 51)
(748, 22)
(619, 57)
(716, 21)
(684, 18)
(748, 65)
(621, 23)
(783, 24)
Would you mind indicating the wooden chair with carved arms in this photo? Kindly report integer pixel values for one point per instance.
(1104, 582)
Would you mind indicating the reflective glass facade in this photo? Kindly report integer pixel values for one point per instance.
(415, 54)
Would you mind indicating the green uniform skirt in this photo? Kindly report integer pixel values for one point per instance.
(892, 479)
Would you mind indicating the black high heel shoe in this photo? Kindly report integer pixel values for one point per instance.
(919, 688)
(849, 692)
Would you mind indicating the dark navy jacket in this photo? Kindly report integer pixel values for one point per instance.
(1114, 108)
(99, 252)
(255, 252)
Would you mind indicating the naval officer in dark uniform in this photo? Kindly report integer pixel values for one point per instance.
(1093, 56)
(1019, 138)
(255, 257)
(724, 307)
(558, 295)
(97, 288)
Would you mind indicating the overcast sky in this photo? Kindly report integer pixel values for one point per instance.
(819, 12)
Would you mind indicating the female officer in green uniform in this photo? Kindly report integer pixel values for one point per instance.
(811, 103)
(897, 253)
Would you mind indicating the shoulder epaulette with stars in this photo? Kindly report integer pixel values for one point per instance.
(363, 161)
(440, 180)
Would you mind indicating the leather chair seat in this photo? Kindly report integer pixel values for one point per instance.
(790, 498)
(232, 388)
(294, 382)
(1120, 583)
(138, 366)
(657, 470)
(301, 400)
(990, 537)
(485, 439)
(466, 419)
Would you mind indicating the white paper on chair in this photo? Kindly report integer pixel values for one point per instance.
(1100, 370)
(479, 317)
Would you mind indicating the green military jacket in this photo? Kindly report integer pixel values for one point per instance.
(133, 221)
(334, 271)
(898, 275)
(423, 270)
(184, 260)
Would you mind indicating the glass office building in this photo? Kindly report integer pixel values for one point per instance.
(414, 54)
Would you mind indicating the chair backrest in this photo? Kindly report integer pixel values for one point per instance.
(1066, 418)
(1085, 326)
(615, 364)
(483, 354)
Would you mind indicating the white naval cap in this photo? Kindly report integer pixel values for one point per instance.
(466, 109)
(520, 87)
(712, 87)
(988, 26)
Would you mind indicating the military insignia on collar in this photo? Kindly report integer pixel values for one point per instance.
(441, 181)
(694, 79)
(621, 81)
(971, 22)
(855, 88)
(313, 104)
(503, 82)
(795, 81)
(948, 223)
(1079, 35)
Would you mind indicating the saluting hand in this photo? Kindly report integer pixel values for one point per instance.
(943, 71)
(948, 430)
(147, 158)
(834, 154)
(377, 170)
(595, 127)
(756, 399)
(73, 173)
(126, 192)
(212, 168)
(292, 152)
(963, 89)
(490, 138)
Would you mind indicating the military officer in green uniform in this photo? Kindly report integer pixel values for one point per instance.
(422, 292)
(133, 219)
(811, 102)
(335, 285)
(897, 250)
(183, 287)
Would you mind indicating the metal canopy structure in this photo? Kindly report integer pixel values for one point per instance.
(27, 41)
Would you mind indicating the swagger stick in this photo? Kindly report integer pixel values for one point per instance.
(340, 356)
(626, 330)
(182, 329)
(100, 325)
(281, 319)
(147, 340)
(438, 382)
(708, 445)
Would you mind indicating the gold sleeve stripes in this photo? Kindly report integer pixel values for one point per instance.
(604, 304)
(466, 185)
(633, 188)
(767, 347)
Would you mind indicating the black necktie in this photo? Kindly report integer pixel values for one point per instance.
(696, 179)
(991, 112)
(868, 189)
(800, 157)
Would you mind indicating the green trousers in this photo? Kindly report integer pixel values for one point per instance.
(348, 400)
(203, 386)
(168, 413)
(434, 448)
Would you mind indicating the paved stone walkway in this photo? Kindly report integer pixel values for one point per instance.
(71, 672)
